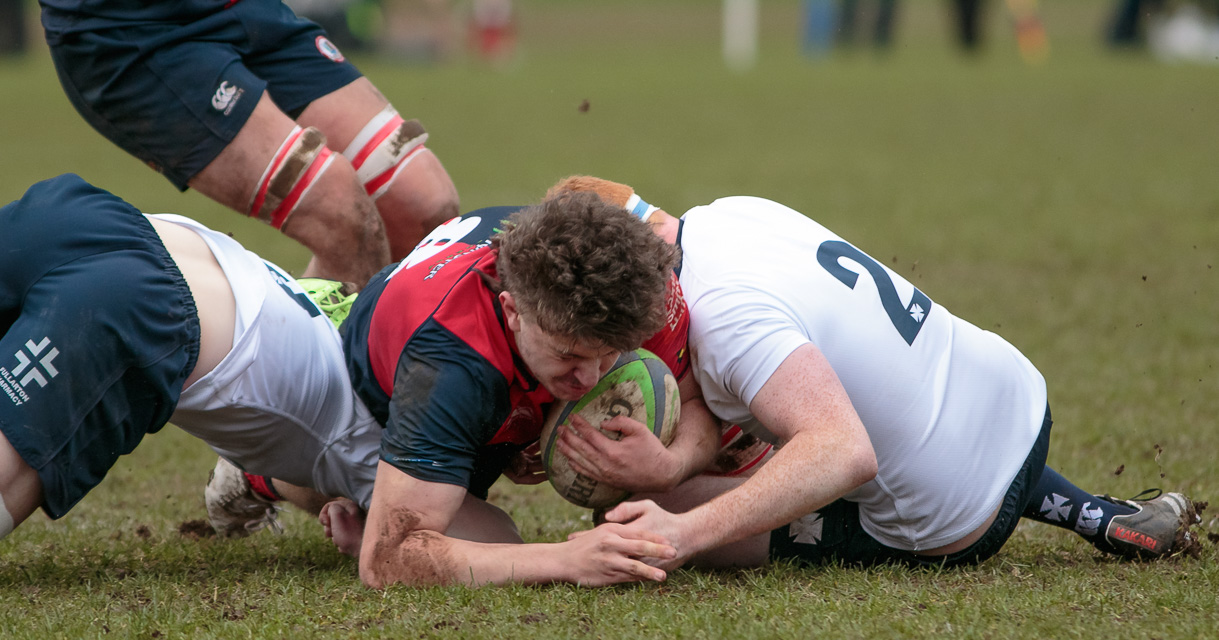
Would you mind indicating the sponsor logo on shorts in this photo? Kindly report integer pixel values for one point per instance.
(226, 97)
(36, 366)
(327, 48)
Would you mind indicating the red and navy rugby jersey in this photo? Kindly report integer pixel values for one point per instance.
(430, 354)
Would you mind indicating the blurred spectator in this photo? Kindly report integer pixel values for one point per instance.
(12, 27)
(1189, 33)
(407, 30)
(1127, 27)
(880, 11)
(492, 30)
(820, 27)
(418, 30)
(1030, 32)
(968, 19)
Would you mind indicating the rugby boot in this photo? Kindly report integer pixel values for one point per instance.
(233, 508)
(1160, 527)
(332, 297)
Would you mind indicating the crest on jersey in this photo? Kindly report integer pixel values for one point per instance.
(327, 48)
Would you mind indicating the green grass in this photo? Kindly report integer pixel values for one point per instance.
(1071, 207)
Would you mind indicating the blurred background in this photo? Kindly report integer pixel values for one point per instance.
(1045, 170)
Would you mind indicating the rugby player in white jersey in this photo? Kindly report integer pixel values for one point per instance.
(114, 323)
(906, 435)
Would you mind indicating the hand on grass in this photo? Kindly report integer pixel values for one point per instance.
(648, 516)
(615, 553)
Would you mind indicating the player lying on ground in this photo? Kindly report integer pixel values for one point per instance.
(247, 103)
(458, 350)
(907, 434)
(488, 439)
(115, 323)
(843, 529)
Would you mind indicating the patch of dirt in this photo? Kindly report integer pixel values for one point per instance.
(196, 529)
(143, 532)
(1187, 542)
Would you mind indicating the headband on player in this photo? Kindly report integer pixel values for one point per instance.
(639, 208)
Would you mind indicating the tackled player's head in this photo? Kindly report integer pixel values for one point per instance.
(610, 191)
(586, 270)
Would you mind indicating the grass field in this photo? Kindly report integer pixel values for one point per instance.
(1072, 207)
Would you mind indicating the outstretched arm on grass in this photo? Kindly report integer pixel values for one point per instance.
(405, 542)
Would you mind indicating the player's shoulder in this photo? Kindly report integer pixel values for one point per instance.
(670, 342)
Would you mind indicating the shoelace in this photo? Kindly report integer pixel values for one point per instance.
(1144, 496)
(269, 519)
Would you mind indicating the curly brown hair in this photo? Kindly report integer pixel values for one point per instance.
(585, 269)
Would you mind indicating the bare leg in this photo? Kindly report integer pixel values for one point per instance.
(303, 498)
(335, 219)
(20, 489)
(420, 199)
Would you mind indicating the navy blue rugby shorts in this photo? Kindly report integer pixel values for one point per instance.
(175, 95)
(100, 334)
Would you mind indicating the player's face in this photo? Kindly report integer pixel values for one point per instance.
(567, 368)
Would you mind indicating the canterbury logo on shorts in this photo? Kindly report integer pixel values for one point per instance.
(226, 97)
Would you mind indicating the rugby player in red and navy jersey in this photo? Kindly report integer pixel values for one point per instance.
(458, 350)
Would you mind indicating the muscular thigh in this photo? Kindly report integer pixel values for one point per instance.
(176, 95)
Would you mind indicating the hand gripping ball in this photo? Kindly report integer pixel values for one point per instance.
(639, 386)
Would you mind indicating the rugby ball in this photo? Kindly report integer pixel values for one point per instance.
(639, 386)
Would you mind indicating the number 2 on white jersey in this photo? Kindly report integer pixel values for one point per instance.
(907, 319)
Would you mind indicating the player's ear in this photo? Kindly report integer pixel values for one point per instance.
(511, 314)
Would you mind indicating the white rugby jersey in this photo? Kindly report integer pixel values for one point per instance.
(280, 403)
(952, 410)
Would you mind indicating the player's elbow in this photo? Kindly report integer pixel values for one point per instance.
(383, 567)
(373, 571)
(411, 563)
(861, 464)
